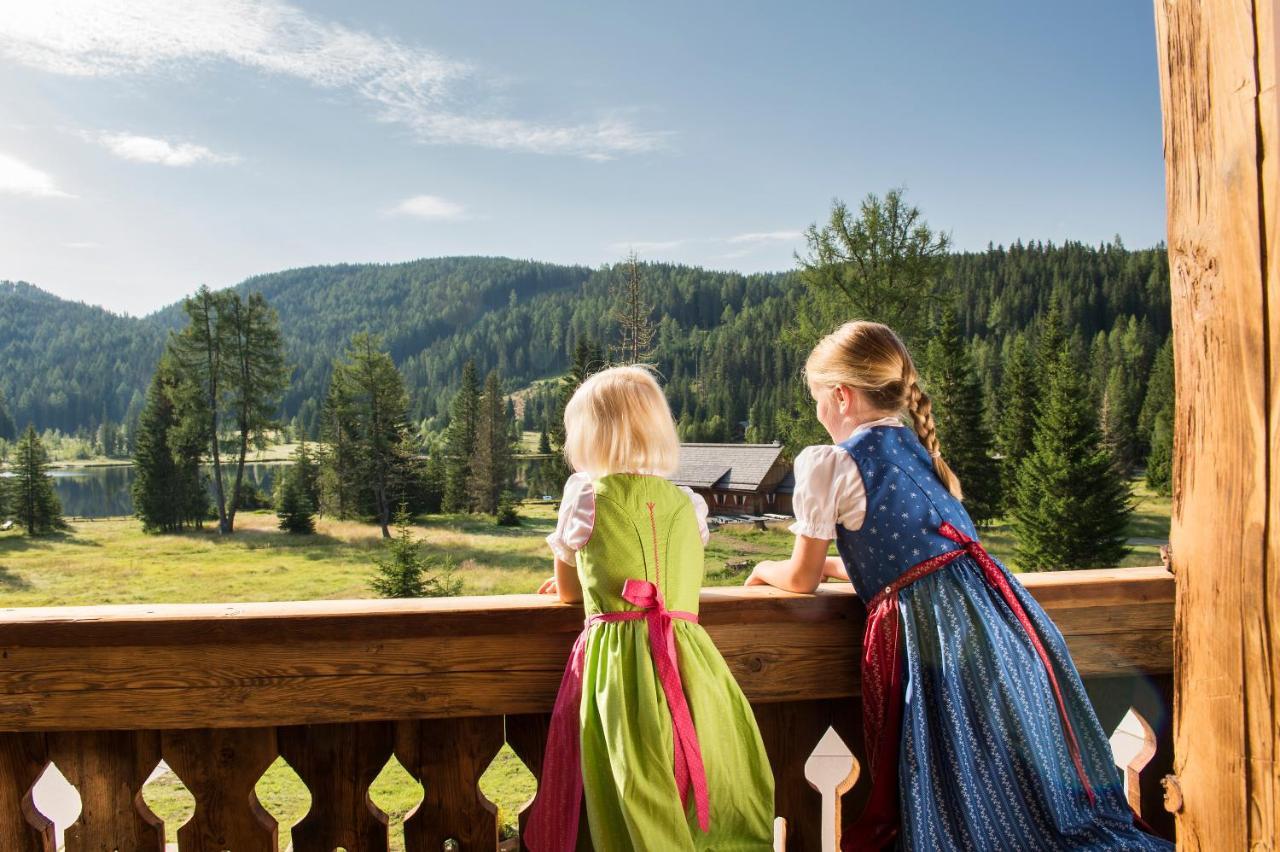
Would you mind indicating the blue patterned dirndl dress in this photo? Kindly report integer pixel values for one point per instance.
(978, 729)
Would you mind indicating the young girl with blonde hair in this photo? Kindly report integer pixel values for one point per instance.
(978, 730)
(649, 721)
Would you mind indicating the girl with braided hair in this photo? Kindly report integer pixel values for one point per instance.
(978, 731)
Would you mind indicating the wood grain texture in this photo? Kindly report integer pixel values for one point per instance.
(198, 666)
(338, 763)
(23, 758)
(527, 736)
(220, 767)
(108, 769)
(448, 756)
(1217, 64)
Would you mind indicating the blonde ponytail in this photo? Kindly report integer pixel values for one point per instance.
(870, 357)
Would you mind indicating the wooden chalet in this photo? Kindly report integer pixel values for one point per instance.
(737, 479)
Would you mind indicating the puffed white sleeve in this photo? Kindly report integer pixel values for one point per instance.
(828, 491)
(577, 518)
(699, 511)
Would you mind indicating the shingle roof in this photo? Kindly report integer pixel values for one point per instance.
(738, 467)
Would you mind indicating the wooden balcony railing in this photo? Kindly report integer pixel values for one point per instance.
(338, 687)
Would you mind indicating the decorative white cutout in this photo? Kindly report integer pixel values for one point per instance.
(831, 770)
(54, 797)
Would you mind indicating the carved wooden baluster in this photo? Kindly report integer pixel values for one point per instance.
(338, 763)
(527, 736)
(220, 767)
(846, 719)
(23, 758)
(791, 731)
(108, 769)
(448, 756)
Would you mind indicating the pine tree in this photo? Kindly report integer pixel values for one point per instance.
(544, 443)
(633, 315)
(293, 505)
(169, 493)
(1072, 505)
(460, 440)
(403, 572)
(961, 419)
(8, 429)
(506, 515)
(34, 501)
(491, 467)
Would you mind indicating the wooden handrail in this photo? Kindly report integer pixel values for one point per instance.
(242, 665)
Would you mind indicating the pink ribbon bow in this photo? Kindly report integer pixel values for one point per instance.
(553, 822)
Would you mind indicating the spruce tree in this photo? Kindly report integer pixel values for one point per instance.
(460, 440)
(34, 501)
(1071, 503)
(1019, 391)
(403, 572)
(491, 466)
(1157, 420)
(169, 493)
(961, 419)
(8, 429)
(308, 468)
(293, 505)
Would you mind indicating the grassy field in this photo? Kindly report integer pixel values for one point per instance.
(113, 561)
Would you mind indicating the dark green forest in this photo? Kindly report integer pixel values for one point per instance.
(70, 367)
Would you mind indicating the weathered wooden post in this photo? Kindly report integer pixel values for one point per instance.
(1218, 71)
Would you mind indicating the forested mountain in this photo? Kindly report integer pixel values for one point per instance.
(67, 365)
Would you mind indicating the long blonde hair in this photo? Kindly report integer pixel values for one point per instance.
(618, 421)
(868, 356)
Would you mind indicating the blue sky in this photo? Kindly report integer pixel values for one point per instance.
(147, 147)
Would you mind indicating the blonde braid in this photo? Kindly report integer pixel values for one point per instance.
(921, 409)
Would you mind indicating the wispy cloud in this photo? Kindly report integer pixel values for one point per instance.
(643, 247)
(745, 243)
(405, 83)
(765, 237)
(82, 245)
(431, 207)
(20, 178)
(148, 149)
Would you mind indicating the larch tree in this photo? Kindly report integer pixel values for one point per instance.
(634, 315)
(230, 359)
(883, 264)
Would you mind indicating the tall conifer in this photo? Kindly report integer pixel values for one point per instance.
(1072, 505)
(960, 417)
(34, 501)
(460, 441)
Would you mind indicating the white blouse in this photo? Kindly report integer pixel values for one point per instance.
(829, 488)
(577, 517)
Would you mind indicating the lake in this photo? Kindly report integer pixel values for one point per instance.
(104, 492)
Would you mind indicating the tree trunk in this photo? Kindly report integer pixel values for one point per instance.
(1218, 69)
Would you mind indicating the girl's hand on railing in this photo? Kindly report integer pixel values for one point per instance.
(549, 587)
(754, 578)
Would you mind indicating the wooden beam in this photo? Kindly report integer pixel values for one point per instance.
(1217, 64)
(214, 666)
